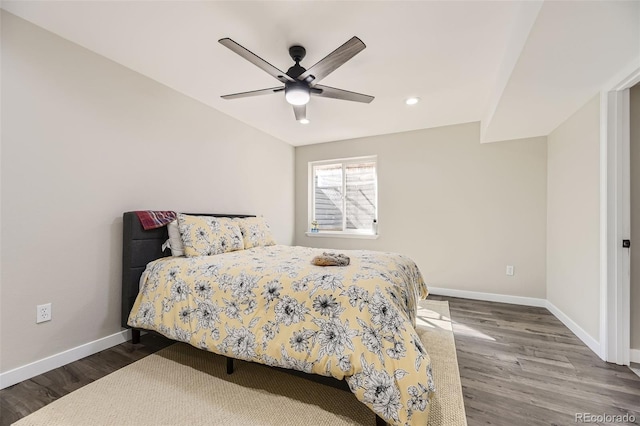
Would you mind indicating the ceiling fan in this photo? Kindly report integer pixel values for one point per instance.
(301, 83)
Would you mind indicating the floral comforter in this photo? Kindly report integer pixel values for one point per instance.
(271, 305)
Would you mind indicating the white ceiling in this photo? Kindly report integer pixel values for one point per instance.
(519, 67)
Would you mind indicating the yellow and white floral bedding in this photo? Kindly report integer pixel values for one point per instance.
(271, 305)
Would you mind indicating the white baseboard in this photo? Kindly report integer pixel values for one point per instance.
(35, 368)
(489, 297)
(586, 338)
(634, 355)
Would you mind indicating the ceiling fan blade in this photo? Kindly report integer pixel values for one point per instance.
(332, 61)
(300, 111)
(345, 95)
(253, 93)
(255, 59)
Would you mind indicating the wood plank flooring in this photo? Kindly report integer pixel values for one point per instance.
(26, 397)
(518, 365)
(521, 366)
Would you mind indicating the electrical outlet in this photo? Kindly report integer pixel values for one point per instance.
(510, 270)
(43, 313)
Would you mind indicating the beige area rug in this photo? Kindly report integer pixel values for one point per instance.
(181, 385)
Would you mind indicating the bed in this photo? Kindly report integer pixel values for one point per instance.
(269, 304)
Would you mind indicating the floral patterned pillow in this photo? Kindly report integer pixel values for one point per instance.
(207, 236)
(255, 231)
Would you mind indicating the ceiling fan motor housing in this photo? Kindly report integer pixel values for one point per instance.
(296, 53)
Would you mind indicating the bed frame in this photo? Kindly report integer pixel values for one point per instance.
(140, 247)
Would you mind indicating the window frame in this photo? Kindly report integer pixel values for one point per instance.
(344, 233)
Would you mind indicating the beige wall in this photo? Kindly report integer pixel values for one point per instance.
(635, 217)
(85, 139)
(573, 218)
(462, 210)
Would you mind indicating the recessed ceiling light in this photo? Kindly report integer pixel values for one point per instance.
(304, 121)
(412, 101)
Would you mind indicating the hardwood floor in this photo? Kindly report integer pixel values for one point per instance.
(521, 366)
(518, 365)
(26, 397)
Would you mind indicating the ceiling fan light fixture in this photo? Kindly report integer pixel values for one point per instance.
(296, 93)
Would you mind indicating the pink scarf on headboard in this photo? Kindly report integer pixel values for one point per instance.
(151, 219)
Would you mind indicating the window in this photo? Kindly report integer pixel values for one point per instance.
(344, 196)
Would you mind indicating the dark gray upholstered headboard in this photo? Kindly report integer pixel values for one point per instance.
(140, 247)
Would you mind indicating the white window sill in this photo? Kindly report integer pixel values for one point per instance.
(338, 234)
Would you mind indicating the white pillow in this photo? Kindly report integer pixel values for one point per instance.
(175, 240)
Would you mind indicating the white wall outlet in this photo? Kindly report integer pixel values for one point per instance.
(510, 270)
(43, 313)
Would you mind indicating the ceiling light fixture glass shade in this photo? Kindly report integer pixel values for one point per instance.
(296, 93)
(304, 121)
(412, 101)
